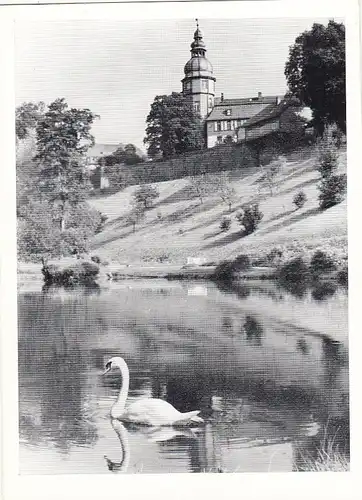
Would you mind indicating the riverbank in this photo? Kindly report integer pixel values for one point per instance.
(114, 271)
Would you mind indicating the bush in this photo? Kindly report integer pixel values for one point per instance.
(300, 199)
(145, 195)
(96, 259)
(342, 276)
(321, 263)
(332, 190)
(249, 218)
(80, 273)
(225, 224)
(327, 163)
(242, 263)
(296, 270)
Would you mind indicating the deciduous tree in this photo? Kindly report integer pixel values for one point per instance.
(316, 73)
(173, 127)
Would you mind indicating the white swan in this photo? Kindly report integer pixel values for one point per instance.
(147, 411)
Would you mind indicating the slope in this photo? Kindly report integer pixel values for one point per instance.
(178, 227)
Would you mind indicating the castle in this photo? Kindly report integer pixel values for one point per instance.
(229, 120)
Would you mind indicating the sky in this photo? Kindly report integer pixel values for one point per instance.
(116, 68)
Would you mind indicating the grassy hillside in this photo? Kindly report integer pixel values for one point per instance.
(179, 227)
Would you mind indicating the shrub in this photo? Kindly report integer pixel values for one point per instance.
(225, 224)
(324, 290)
(242, 263)
(224, 271)
(321, 263)
(249, 218)
(332, 190)
(300, 199)
(145, 195)
(342, 276)
(80, 273)
(296, 270)
(327, 162)
(96, 259)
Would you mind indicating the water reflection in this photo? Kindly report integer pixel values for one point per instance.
(324, 290)
(268, 392)
(254, 330)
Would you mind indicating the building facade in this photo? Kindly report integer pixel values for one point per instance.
(222, 117)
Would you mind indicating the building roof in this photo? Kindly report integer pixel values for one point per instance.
(102, 149)
(243, 108)
(271, 111)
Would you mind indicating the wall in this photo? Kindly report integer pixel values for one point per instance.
(224, 157)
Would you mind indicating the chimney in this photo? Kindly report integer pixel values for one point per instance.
(222, 97)
(260, 95)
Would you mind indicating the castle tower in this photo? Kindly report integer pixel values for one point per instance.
(199, 82)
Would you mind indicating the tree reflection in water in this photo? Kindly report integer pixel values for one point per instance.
(254, 330)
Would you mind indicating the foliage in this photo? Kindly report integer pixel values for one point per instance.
(332, 190)
(315, 73)
(295, 270)
(268, 178)
(225, 271)
(321, 263)
(123, 154)
(135, 216)
(84, 273)
(63, 137)
(327, 162)
(145, 195)
(249, 218)
(223, 188)
(39, 233)
(201, 186)
(27, 117)
(225, 224)
(173, 127)
(299, 199)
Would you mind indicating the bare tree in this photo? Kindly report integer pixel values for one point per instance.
(224, 189)
(135, 216)
(201, 186)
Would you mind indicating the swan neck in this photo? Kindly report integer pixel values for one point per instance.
(118, 407)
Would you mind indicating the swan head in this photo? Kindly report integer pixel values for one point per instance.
(114, 362)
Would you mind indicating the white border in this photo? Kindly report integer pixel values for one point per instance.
(338, 486)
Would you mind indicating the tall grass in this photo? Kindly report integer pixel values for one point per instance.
(328, 458)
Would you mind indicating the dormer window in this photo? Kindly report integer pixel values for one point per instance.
(228, 112)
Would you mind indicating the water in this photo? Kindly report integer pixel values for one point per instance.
(268, 368)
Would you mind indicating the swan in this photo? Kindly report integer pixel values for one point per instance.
(147, 411)
(121, 432)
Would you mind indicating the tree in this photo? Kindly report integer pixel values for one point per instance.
(63, 137)
(224, 189)
(144, 195)
(123, 154)
(201, 186)
(135, 216)
(27, 117)
(316, 73)
(173, 127)
(249, 218)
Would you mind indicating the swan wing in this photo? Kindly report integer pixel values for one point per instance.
(149, 411)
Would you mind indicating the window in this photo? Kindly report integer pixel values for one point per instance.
(204, 84)
(228, 112)
(228, 125)
(218, 126)
(219, 139)
(197, 107)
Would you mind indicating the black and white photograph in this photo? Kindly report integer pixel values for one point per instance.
(181, 241)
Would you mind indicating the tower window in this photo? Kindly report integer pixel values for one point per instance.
(204, 84)
(197, 107)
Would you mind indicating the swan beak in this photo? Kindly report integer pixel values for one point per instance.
(106, 371)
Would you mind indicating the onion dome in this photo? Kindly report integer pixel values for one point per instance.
(198, 62)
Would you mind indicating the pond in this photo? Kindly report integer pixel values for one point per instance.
(267, 367)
